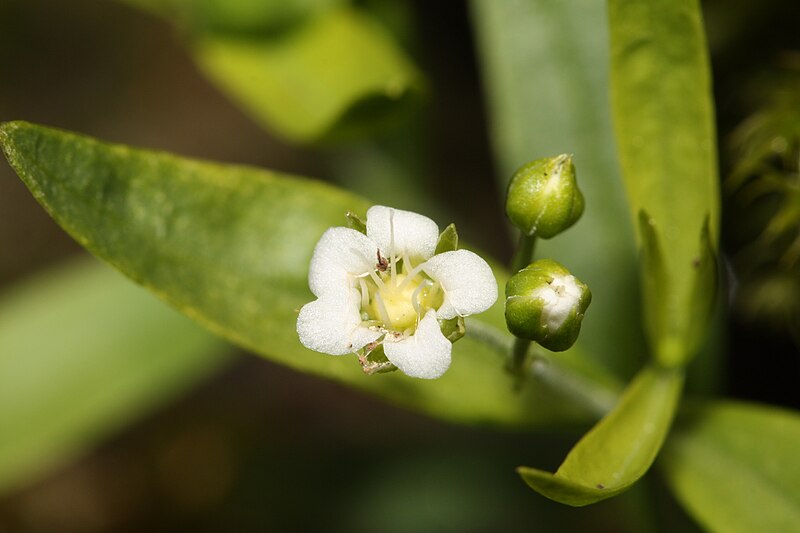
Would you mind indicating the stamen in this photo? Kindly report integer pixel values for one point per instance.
(391, 233)
(364, 293)
(410, 276)
(377, 279)
(407, 266)
(415, 295)
(382, 310)
(394, 270)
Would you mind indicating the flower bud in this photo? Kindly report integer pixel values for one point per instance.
(546, 304)
(543, 197)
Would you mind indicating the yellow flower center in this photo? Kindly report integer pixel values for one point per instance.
(398, 300)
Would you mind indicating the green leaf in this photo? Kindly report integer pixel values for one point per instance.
(83, 352)
(545, 67)
(734, 466)
(230, 247)
(336, 76)
(619, 449)
(448, 240)
(664, 123)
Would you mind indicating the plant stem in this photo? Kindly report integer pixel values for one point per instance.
(594, 397)
(524, 253)
(522, 258)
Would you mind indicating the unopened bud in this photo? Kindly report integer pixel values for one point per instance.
(543, 197)
(546, 304)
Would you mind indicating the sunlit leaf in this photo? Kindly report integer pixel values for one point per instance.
(230, 247)
(545, 67)
(619, 449)
(83, 352)
(335, 76)
(734, 466)
(307, 70)
(664, 122)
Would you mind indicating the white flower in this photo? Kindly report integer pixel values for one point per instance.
(388, 288)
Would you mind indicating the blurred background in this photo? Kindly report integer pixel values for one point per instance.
(246, 445)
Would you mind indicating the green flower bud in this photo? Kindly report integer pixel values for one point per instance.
(543, 197)
(546, 304)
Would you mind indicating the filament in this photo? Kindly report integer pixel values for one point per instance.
(382, 310)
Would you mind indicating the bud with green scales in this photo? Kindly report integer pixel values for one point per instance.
(546, 304)
(543, 197)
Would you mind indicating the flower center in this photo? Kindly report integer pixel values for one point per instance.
(398, 296)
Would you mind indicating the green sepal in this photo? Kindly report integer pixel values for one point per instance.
(375, 361)
(448, 240)
(354, 222)
(453, 329)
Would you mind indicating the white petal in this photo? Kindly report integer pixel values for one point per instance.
(560, 297)
(425, 354)
(340, 253)
(398, 232)
(468, 283)
(332, 325)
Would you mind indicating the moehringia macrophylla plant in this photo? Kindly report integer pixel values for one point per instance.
(387, 296)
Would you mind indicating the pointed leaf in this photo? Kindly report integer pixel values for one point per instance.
(734, 466)
(230, 247)
(664, 124)
(83, 352)
(619, 449)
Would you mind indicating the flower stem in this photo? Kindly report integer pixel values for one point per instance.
(524, 253)
(594, 397)
(522, 258)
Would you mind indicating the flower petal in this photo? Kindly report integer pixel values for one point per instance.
(339, 253)
(399, 233)
(468, 283)
(332, 325)
(425, 354)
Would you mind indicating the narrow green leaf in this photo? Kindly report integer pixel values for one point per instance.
(335, 76)
(619, 449)
(545, 67)
(734, 466)
(448, 240)
(664, 123)
(230, 247)
(83, 352)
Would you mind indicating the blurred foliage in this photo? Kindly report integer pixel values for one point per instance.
(82, 353)
(734, 466)
(309, 70)
(763, 191)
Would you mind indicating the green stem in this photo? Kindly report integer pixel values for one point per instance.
(523, 257)
(594, 397)
(524, 254)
